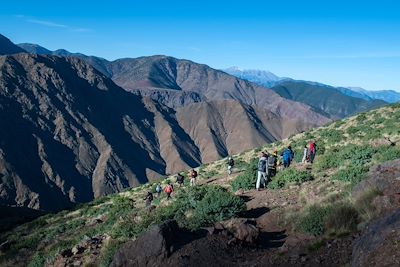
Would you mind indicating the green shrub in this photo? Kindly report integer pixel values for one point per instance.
(289, 176)
(372, 133)
(121, 206)
(246, 180)
(332, 136)
(201, 206)
(313, 221)
(327, 161)
(342, 218)
(352, 174)
(107, 252)
(362, 117)
(356, 131)
(364, 204)
(38, 260)
(240, 164)
(386, 153)
(357, 155)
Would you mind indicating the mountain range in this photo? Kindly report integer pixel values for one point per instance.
(76, 127)
(266, 78)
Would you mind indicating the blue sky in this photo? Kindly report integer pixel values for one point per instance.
(346, 43)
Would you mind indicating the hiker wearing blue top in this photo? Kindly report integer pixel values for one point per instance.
(287, 156)
(262, 170)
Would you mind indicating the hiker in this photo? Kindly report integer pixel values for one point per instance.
(261, 170)
(149, 199)
(193, 177)
(305, 155)
(179, 179)
(168, 190)
(312, 151)
(158, 190)
(231, 163)
(287, 156)
(271, 165)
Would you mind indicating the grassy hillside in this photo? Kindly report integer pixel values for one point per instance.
(322, 196)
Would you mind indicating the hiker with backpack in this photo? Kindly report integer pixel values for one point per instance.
(287, 156)
(158, 190)
(149, 199)
(261, 170)
(193, 177)
(271, 165)
(179, 179)
(231, 163)
(312, 151)
(306, 155)
(168, 190)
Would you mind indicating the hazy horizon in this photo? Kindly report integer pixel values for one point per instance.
(353, 44)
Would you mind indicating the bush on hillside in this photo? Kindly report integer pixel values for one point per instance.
(386, 153)
(121, 206)
(313, 221)
(327, 161)
(352, 155)
(357, 154)
(351, 174)
(38, 260)
(108, 251)
(247, 179)
(362, 117)
(364, 204)
(332, 136)
(201, 206)
(342, 218)
(289, 176)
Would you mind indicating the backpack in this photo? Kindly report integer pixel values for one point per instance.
(262, 165)
(231, 162)
(312, 148)
(179, 179)
(271, 162)
(168, 189)
(287, 155)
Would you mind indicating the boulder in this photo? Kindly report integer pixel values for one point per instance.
(242, 229)
(379, 245)
(385, 177)
(150, 249)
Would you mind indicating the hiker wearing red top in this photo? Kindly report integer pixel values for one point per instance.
(312, 149)
(168, 190)
(193, 177)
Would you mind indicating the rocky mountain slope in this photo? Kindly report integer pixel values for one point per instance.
(309, 215)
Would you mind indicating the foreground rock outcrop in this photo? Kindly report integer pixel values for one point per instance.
(150, 249)
(380, 244)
